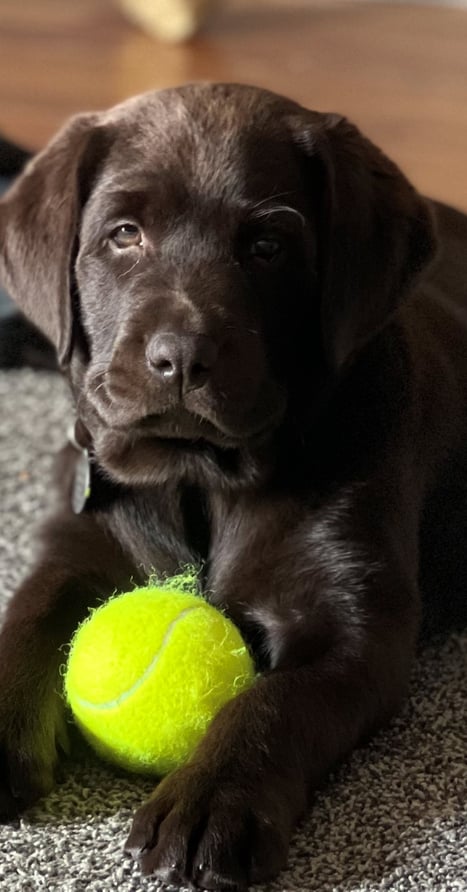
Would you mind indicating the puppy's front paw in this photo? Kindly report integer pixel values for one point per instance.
(210, 832)
(30, 737)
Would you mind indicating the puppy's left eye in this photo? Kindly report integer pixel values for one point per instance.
(128, 235)
(266, 249)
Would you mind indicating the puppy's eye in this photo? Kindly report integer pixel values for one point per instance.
(266, 249)
(128, 235)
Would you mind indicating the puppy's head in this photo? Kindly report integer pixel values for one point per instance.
(203, 258)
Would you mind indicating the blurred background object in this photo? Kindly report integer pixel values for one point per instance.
(172, 20)
(399, 70)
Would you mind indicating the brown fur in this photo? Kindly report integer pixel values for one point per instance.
(294, 425)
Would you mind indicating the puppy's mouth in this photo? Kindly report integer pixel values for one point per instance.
(196, 424)
(182, 430)
(175, 444)
(201, 442)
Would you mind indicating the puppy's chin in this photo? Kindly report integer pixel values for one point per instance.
(143, 461)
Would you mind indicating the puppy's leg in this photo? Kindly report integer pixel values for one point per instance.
(341, 639)
(225, 819)
(79, 566)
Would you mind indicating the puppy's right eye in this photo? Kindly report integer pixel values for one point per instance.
(128, 235)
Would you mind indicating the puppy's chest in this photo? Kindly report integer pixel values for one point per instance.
(166, 529)
(245, 563)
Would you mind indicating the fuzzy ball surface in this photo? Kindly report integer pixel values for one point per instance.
(148, 671)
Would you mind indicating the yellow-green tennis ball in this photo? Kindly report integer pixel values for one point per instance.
(148, 671)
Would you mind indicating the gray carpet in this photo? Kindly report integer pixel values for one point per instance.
(394, 817)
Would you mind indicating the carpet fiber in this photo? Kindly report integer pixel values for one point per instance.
(394, 817)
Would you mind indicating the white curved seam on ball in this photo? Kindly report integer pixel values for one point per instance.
(117, 701)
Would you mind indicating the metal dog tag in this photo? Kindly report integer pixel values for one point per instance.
(81, 489)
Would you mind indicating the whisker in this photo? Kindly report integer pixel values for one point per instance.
(282, 208)
(272, 198)
(128, 271)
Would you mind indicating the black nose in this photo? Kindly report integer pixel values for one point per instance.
(182, 362)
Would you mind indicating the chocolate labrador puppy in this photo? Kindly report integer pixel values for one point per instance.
(269, 366)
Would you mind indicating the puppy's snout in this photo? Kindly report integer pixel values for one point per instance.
(182, 362)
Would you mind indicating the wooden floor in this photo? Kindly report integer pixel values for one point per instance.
(399, 71)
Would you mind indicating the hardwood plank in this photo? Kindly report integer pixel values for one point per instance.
(399, 71)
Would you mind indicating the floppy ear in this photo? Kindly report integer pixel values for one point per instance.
(375, 232)
(39, 216)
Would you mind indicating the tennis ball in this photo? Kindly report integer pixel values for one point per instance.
(148, 671)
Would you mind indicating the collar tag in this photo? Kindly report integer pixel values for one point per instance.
(81, 490)
(81, 487)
